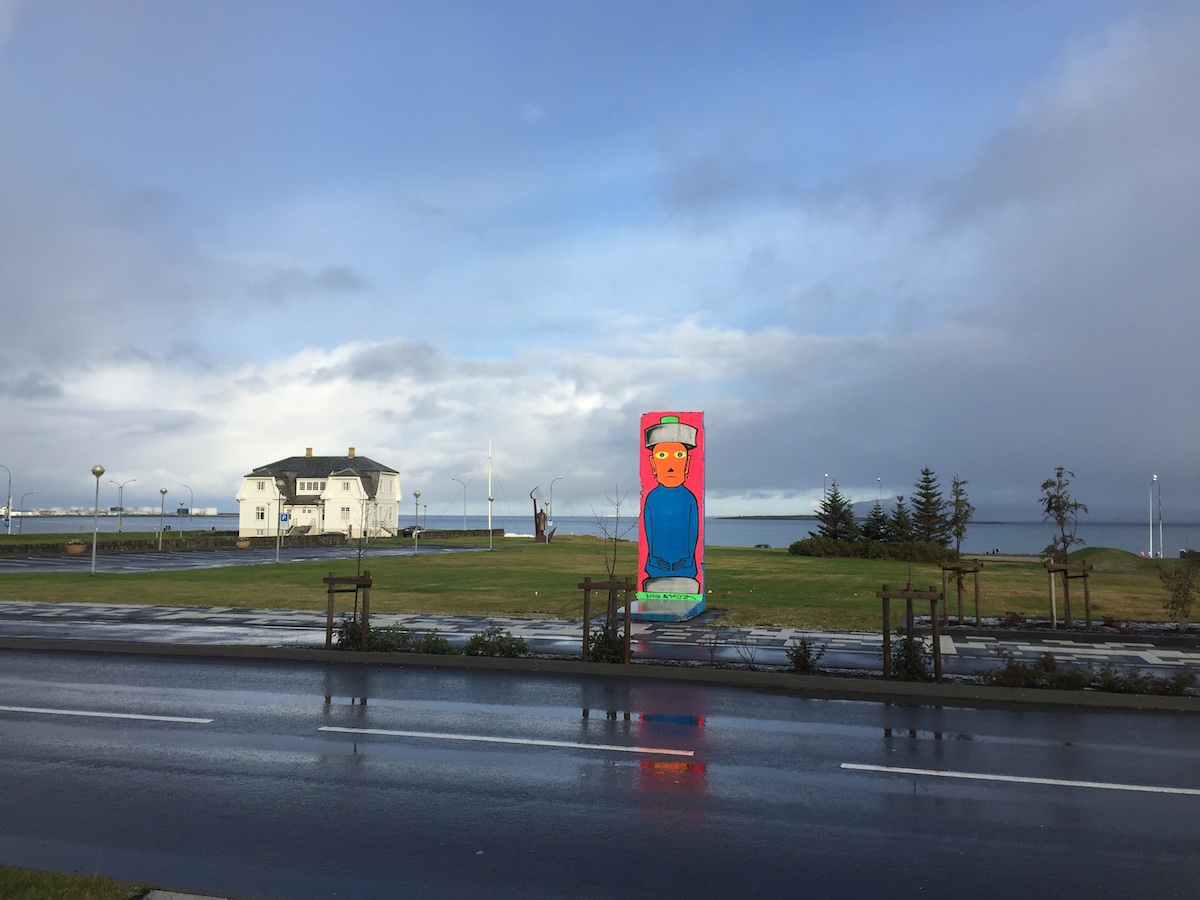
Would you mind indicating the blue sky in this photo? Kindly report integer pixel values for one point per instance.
(863, 238)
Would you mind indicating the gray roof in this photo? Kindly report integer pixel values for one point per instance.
(297, 467)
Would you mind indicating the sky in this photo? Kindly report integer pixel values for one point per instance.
(863, 238)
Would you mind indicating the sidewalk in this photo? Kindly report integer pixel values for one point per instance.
(965, 650)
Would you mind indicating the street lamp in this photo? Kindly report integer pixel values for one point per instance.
(121, 499)
(416, 508)
(280, 484)
(550, 503)
(97, 470)
(1161, 554)
(181, 521)
(162, 508)
(464, 484)
(20, 525)
(1153, 484)
(8, 500)
(425, 517)
(191, 503)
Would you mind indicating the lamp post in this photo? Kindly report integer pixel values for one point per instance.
(416, 531)
(121, 499)
(181, 521)
(550, 503)
(162, 508)
(8, 500)
(97, 470)
(464, 484)
(1161, 549)
(1153, 482)
(880, 483)
(280, 484)
(20, 527)
(824, 487)
(490, 499)
(191, 503)
(425, 517)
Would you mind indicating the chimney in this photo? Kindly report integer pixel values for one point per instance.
(350, 454)
(308, 452)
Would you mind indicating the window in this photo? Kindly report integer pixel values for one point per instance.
(261, 485)
(345, 485)
(260, 513)
(345, 514)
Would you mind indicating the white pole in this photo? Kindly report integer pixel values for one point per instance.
(1153, 479)
(490, 497)
(1161, 548)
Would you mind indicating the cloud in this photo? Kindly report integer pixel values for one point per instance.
(294, 282)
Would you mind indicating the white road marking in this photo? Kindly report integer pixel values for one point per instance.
(103, 715)
(1021, 779)
(529, 742)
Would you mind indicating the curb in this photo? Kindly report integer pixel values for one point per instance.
(821, 687)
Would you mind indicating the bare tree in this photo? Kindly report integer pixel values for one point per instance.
(608, 642)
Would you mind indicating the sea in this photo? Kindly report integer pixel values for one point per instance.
(741, 531)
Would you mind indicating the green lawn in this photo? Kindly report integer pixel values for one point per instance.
(521, 578)
(28, 884)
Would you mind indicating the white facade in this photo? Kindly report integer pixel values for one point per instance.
(350, 494)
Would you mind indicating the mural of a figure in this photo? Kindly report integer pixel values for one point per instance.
(672, 522)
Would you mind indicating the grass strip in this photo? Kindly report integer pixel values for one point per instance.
(756, 587)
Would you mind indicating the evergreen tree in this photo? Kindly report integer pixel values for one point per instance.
(961, 512)
(875, 528)
(900, 526)
(836, 517)
(930, 523)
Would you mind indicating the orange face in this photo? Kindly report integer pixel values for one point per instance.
(669, 462)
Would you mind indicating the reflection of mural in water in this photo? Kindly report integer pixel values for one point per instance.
(671, 533)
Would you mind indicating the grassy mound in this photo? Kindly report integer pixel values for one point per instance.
(1106, 559)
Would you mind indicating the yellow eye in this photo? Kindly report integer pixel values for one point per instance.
(680, 454)
(661, 454)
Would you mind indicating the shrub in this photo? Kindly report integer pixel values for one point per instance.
(433, 643)
(1045, 672)
(392, 638)
(904, 551)
(1182, 583)
(804, 655)
(607, 645)
(493, 641)
(911, 659)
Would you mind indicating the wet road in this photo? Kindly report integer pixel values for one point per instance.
(308, 780)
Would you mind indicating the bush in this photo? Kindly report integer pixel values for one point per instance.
(1046, 673)
(903, 551)
(1043, 673)
(392, 638)
(804, 655)
(911, 659)
(606, 645)
(433, 643)
(1182, 583)
(493, 641)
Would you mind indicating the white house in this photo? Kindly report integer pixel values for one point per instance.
(351, 494)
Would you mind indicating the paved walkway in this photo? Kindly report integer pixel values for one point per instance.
(965, 651)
